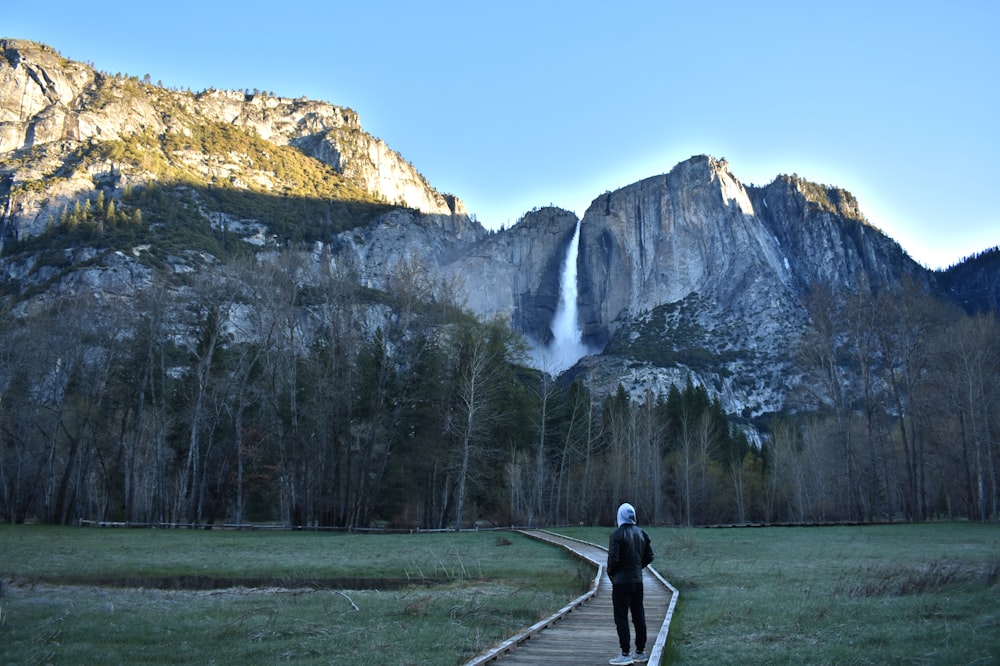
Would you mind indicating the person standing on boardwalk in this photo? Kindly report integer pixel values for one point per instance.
(628, 554)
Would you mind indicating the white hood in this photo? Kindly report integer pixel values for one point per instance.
(626, 514)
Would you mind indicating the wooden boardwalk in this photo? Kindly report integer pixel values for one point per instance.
(584, 631)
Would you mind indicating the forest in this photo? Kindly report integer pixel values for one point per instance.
(265, 391)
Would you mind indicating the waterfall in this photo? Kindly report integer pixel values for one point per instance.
(567, 346)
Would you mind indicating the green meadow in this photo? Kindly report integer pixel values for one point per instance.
(913, 594)
(109, 596)
(875, 594)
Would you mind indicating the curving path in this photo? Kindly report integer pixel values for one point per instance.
(584, 631)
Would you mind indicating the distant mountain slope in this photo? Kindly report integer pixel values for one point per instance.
(69, 132)
(975, 282)
(109, 183)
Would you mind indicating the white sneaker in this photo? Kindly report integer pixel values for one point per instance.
(621, 660)
(639, 657)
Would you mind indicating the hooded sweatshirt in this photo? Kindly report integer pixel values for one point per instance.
(626, 514)
(629, 550)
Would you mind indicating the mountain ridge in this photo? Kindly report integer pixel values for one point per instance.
(227, 306)
(746, 255)
(49, 104)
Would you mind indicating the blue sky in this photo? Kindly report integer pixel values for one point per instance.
(512, 105)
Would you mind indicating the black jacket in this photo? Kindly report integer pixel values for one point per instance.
(628, 552)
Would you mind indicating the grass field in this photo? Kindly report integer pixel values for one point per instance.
(900, 594)
(879, 594)
(296, 597)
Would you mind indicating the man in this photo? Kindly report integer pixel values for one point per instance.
(628, 554)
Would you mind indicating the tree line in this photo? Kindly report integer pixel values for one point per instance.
(270, 391)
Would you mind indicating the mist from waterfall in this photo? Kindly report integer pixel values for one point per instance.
(566, 347)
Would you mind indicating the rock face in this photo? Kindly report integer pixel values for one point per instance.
(515, 274)
(824, 237)
(403, 242)
(38, 89)
(683, 276)
(690, 231)
(376, 168)
(753, 252)
(49, 104)
(701, 276)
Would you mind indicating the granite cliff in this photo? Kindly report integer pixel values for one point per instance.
(689, 275)
(54, 112)
(692, 273)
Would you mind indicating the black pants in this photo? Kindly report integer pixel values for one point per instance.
(628, 597)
